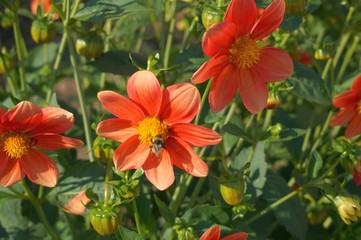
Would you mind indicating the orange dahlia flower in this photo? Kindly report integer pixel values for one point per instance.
(155, 130)
(350, 103)
(25, 129)
(214, 233)
(239, 57)
(46, 5)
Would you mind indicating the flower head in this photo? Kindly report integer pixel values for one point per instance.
(46, 5)
(348, 208)
(23, 130)
(240, 59)
(350, 103)
(155, 130)
(214, 233)
(76, 205)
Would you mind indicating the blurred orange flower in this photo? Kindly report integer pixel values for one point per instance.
(350, 103)
(23, 130)
(76, 205)
(239, 57)
(155, 130)
(214, 233)
(46, 5)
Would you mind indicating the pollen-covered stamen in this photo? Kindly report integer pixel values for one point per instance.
(15, 144)
(150, 128)
(244, 52)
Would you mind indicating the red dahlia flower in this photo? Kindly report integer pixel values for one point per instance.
(214, 233)
(23, 130)
(239, 57)
(350, 103)
(153, 126)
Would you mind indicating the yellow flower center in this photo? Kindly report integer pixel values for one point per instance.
(151, 127)
(244, 52)
(15, 144)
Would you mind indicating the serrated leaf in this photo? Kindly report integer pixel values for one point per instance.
(116, 62)
(100, 10)
(309, 85)
(290, 214)
(314, 165)
(126, 234)
(287, 135)
(165, 211)
(207, 213)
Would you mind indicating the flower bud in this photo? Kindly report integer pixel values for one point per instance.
(42, 30)
(90, 46)
(6, 20)
(105, 219)
(6, 63)
(273, 100)
(231, 187)
(348, 208)
(322, 54)
(103, 149)
(211, 15)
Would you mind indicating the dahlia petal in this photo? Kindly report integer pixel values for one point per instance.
(55, 142)
(55, 120)
(354, 127)
(356, 85)
(117, 129)
(238, 236)
(180, 103)
(185, 158)
(253, 91)
(195, 135)
(76, 205)
(4, 161)
(159, 170)
(131, 154)
(243, 13)
(223, 88)
(210, 68)
(219, 38)
(143, 87)
(357, 177)
(270, 20)
(2, 112)
(120, 106)
(212, 233)
(23, 117)
(346, 99)
(343, 116)
(39, 168)
(274, 64)
(12, 173)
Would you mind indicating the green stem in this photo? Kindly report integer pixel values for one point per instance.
(169, 40)
(187, 34)
(108, 177)
(136, 216)
(40, 211)
(247, 170)
(11, 84)
(88, 137)
(107, 29)
(347, 58)
(20, 51)
(204, 99)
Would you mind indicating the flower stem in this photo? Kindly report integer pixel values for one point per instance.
(40, 211)
(204, 99)
(347, 58)
(86, 124)
(169, 17)
(136, 216)
(108, 177)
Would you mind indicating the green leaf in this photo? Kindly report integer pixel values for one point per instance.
(100, 10)
(287, 135)
(165, 211)
(291, 22)
(309, 85)
(290, 214)
(258, 168)
(126, 234)
(314, 165)
(116, 62)
(206, 212)
(237, 131)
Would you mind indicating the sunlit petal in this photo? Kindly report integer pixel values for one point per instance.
(11, 174)
(343, 116)
(210, 68)
(219, 38)
(346, 99)
(159, 170)
(243, 14)
(144, 88)
(76, 205)
(354, 127)
(54, 142)
(117, 129)
(212, 233)
(120, 106)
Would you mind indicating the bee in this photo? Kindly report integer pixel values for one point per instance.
(157, 144)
